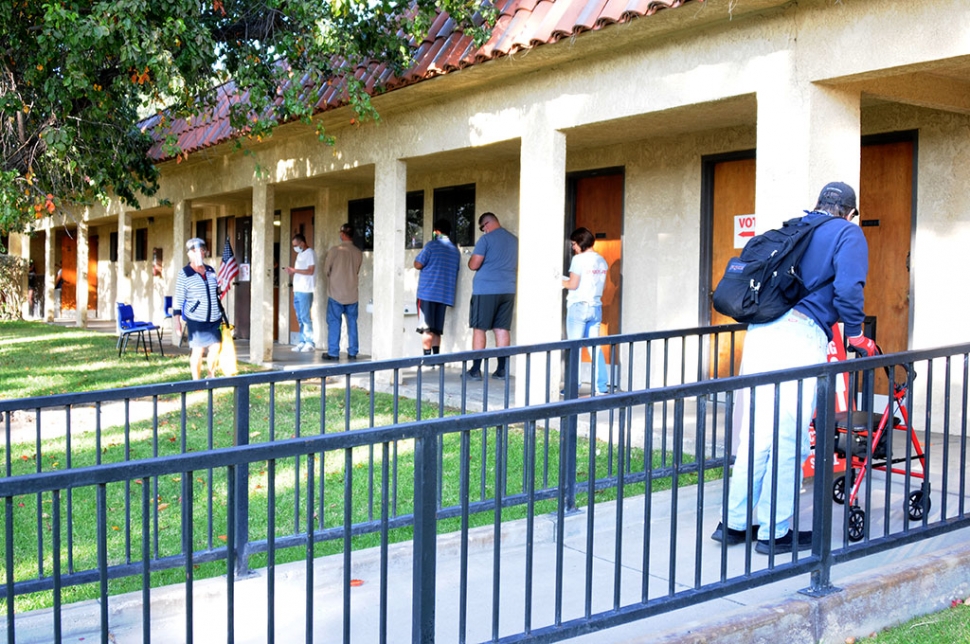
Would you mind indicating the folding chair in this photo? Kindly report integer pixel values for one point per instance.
(127, 327)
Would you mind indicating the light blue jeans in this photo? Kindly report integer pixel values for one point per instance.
(583, 321)
(301, 304)
(335, 311)
(793, 340)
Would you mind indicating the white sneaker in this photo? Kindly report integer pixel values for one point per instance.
(299, 347)
(307, 348)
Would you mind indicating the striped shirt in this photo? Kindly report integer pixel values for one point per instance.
(197, 297)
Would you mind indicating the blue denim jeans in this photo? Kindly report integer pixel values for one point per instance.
(793, 340)
(335, 311)
(583, 321)
(301, 304)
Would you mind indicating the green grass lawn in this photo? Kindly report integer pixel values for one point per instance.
(948, 626)
(39, 359)
(88, 361)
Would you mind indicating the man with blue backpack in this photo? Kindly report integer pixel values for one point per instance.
(832, 273)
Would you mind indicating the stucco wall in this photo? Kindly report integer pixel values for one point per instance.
(655, 107)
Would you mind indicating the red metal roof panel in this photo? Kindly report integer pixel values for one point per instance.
(522, 24)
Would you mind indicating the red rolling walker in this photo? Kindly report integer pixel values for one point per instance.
(864, 440)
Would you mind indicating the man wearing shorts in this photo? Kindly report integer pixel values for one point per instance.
(495, 261)
(438, 263)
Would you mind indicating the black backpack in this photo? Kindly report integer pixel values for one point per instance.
(763, 283)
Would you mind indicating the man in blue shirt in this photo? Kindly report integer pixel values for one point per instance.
(438, 262)
(495, 261)
(834, 270)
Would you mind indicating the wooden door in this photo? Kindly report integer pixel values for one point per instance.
(93, 274)
(68, 273)
(301, 221)
(599, 207)
(242, 249)
(732, 194)
(886, 217)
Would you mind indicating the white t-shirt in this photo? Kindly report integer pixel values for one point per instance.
(304, 283)
(592, 269)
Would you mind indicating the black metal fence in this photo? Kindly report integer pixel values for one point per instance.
(114, 495)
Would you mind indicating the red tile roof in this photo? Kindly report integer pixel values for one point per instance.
(521, 25)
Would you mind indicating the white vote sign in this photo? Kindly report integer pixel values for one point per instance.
(743, 229)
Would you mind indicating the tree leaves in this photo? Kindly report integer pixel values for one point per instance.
(77, 78)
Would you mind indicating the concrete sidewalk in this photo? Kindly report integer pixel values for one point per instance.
(876, 591)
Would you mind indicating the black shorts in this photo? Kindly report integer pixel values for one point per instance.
(491, 311)
(434, 316)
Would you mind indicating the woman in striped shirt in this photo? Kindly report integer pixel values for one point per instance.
(197, 300)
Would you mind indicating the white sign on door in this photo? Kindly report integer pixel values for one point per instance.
(743, 229)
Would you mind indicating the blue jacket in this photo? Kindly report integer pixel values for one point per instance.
(834, 269)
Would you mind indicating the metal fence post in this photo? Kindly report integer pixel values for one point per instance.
(241, 518)
(571, 390)
(821, 583)
(425, 539)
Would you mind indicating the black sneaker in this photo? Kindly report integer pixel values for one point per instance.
(499, 374)
(473, 374)
(783, 545)
(732, 537)
(327, 356)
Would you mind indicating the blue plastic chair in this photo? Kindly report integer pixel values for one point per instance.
(168, 316)
(128, 326)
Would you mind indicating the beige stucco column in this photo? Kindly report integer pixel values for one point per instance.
(124, 258)
(181, 233)
(321, 227)
(542, 202)
(83, 253)
(19, 246)
(808, 135)
(261, 272)
(286, 259)
(390, 213)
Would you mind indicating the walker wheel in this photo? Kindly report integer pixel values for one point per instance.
(838, 490)
(918, 505)
(838, 487)
(857, 524)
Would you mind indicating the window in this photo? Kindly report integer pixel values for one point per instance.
(360, 215)
(414, 226)
(113, 247)
(203, 230)
(141, 245)
(457, 205)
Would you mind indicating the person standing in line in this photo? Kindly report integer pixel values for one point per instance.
(438, 262)
(495, 261)
(834, 269)
(197, 300)
(584, 300)
(31, 289)
(342, 267)
(303, 272)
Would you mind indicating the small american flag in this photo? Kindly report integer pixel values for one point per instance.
(229, 269)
